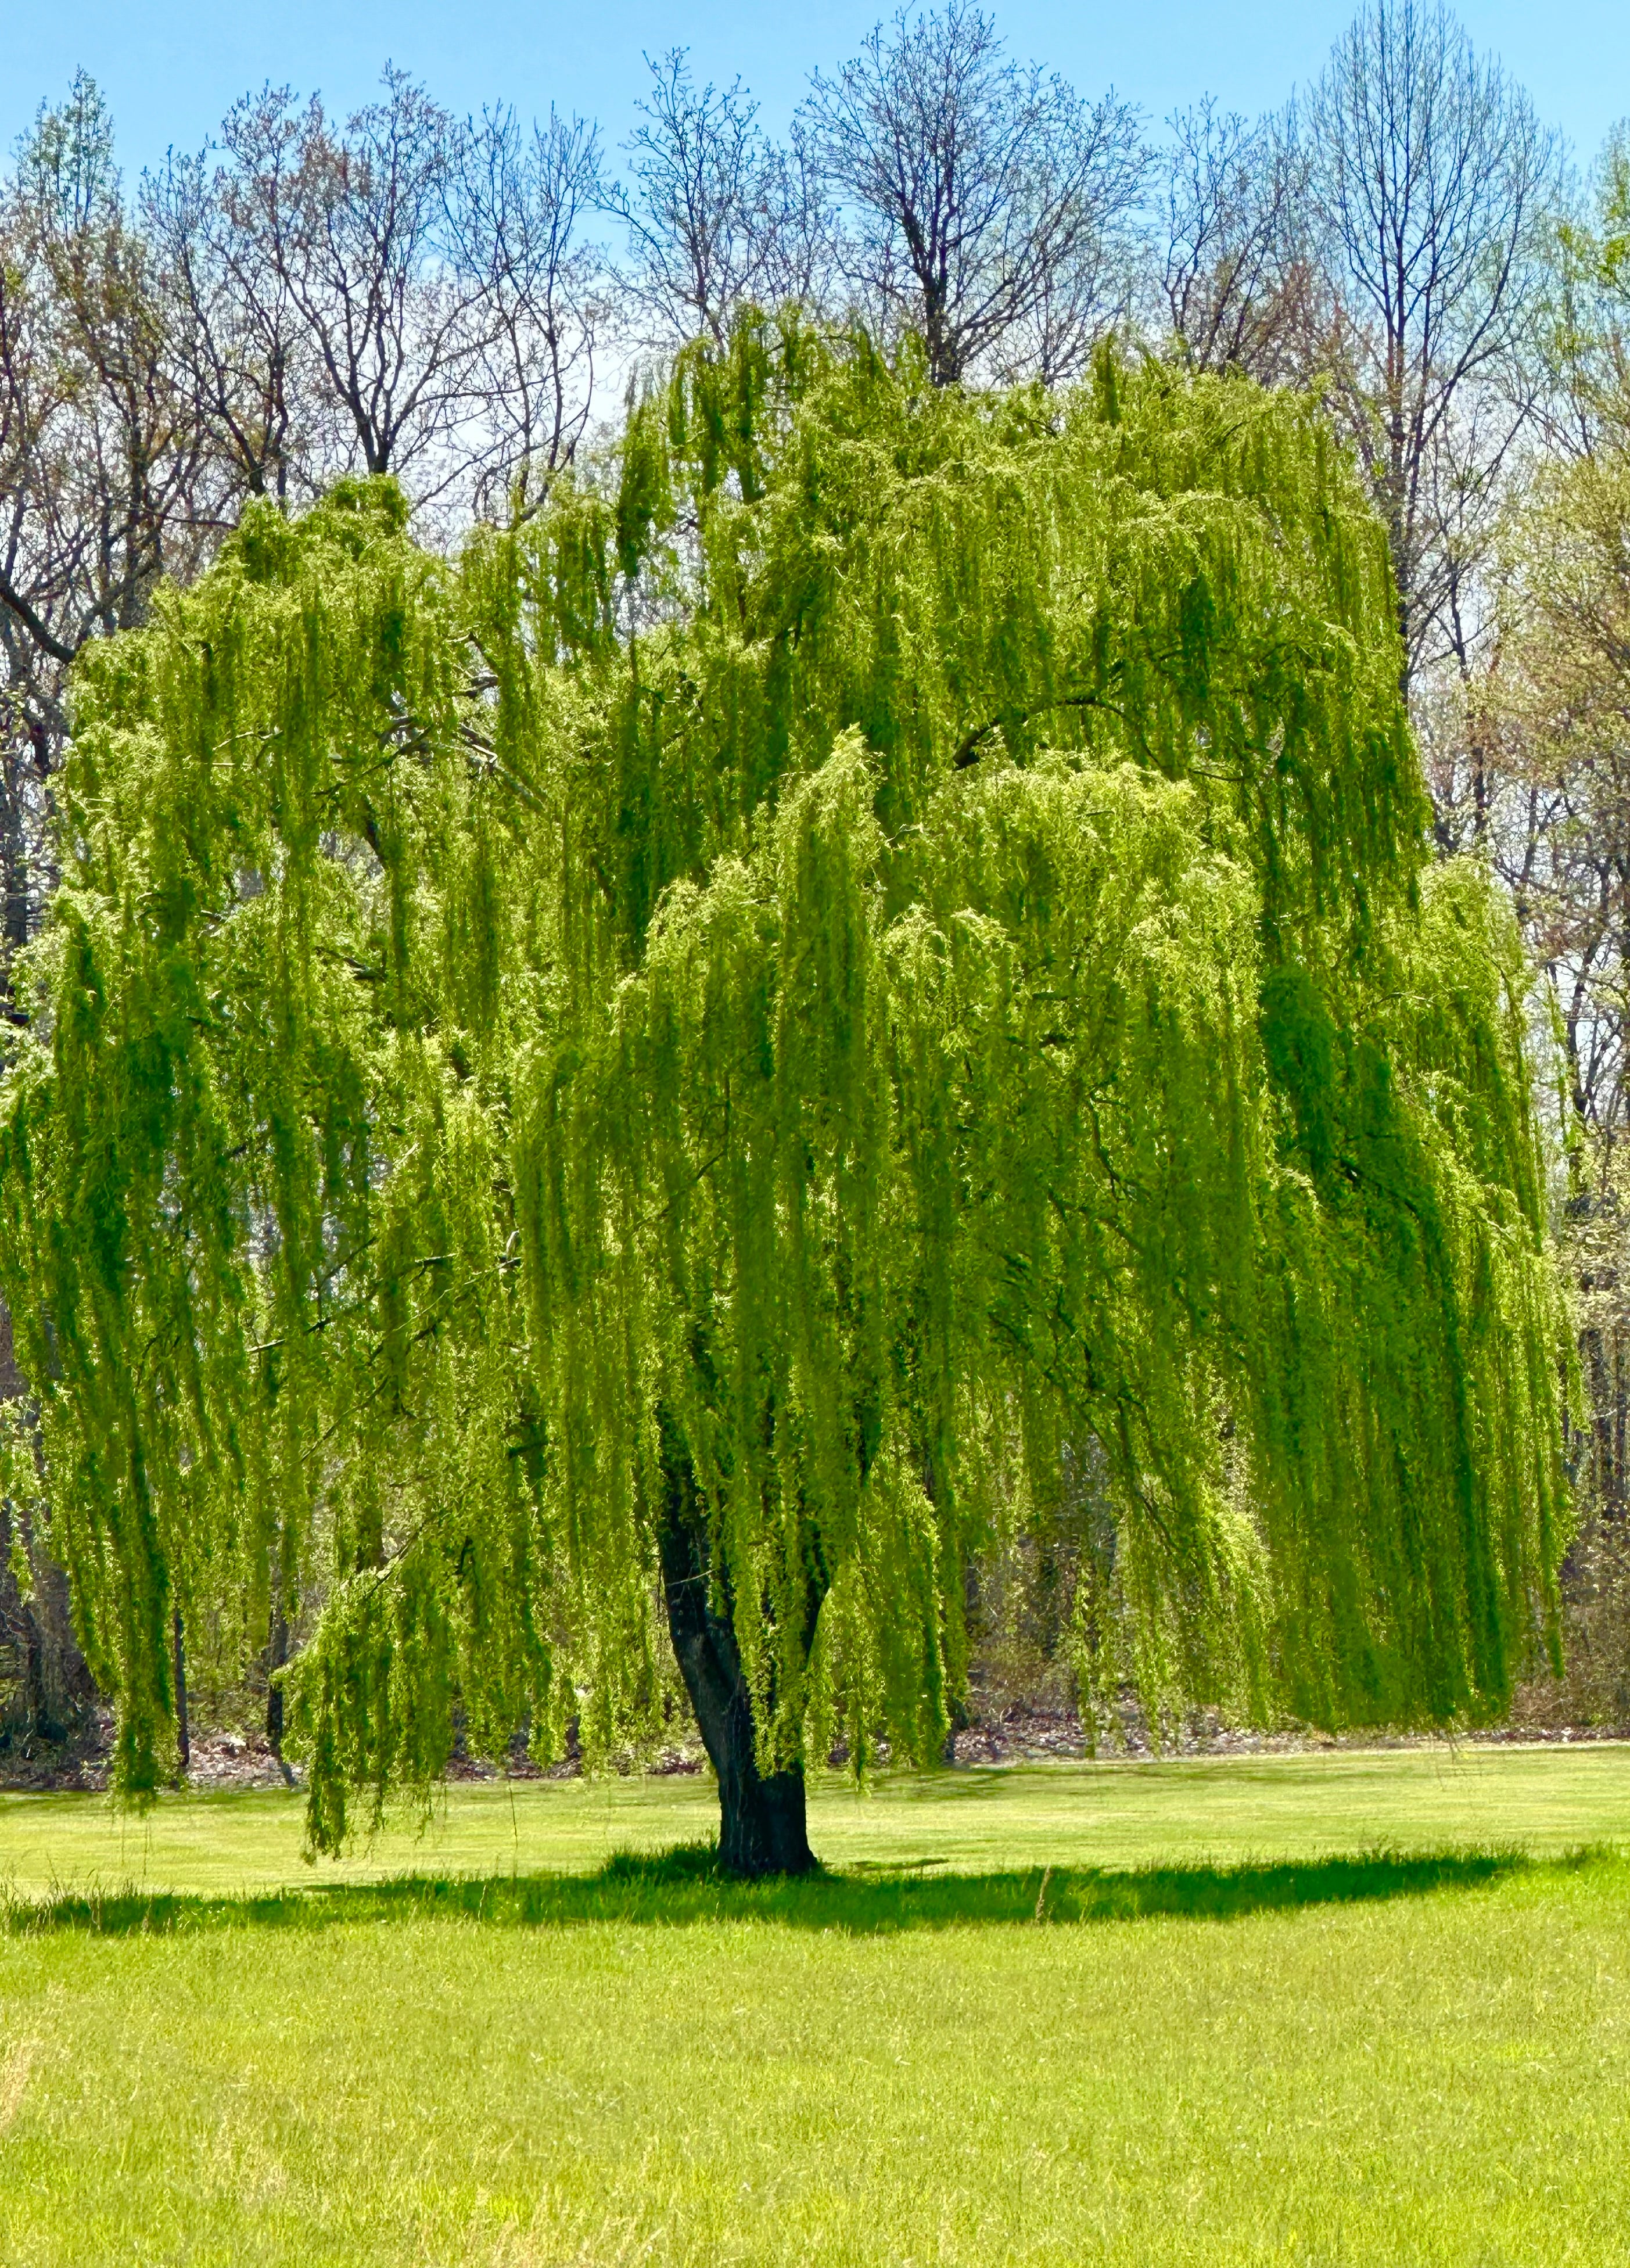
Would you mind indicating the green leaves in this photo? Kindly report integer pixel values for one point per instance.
(946, 1014)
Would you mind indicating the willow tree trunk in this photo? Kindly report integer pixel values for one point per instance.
(276, 1659)
(183, 1738)
(763, 1827)
(54, 1692)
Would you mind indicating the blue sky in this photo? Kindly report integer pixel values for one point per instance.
(171, 68)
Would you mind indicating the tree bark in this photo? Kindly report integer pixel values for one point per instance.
(55, 1689)
(276, 1656)
(763, 1827)
(183, 1743)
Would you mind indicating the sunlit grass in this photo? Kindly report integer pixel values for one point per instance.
(1337, 2009)
(1546, 1800)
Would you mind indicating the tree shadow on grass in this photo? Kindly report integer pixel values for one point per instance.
(684, 1886)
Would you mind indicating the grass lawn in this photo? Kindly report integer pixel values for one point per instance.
(1178, 2013)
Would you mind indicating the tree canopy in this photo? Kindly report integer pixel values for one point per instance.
(752, 1032)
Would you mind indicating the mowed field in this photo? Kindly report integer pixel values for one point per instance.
(1356, 2008)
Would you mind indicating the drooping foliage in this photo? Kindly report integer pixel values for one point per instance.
(880, 970)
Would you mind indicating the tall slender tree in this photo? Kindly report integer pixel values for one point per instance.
(1235, 291)
(1431, 191)
(519, 208)
(985, 206)
(718, 217)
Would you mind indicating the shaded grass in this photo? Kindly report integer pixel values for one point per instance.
(683, 1887)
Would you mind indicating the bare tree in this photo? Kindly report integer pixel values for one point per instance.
(106, 479)
(717, 216)
(1234, 291)
(1557, 721)
(517, 216)
(353, 232)
(92, 304)
(410, 296)
(245, 349)
(1587, 362)
(987, 206)
(1429, 191)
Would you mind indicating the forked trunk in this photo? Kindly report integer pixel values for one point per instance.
(763, 1829)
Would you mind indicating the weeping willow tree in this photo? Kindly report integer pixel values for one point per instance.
(718, 1054)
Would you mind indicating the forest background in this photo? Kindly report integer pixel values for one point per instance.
(467, 302)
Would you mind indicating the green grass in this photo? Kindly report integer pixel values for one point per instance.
(1350, 2008)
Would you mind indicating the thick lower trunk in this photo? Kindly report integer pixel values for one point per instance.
(763, 1829)
(763, 1825)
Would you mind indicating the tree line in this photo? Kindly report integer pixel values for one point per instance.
(461, 302)
(466, 303)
